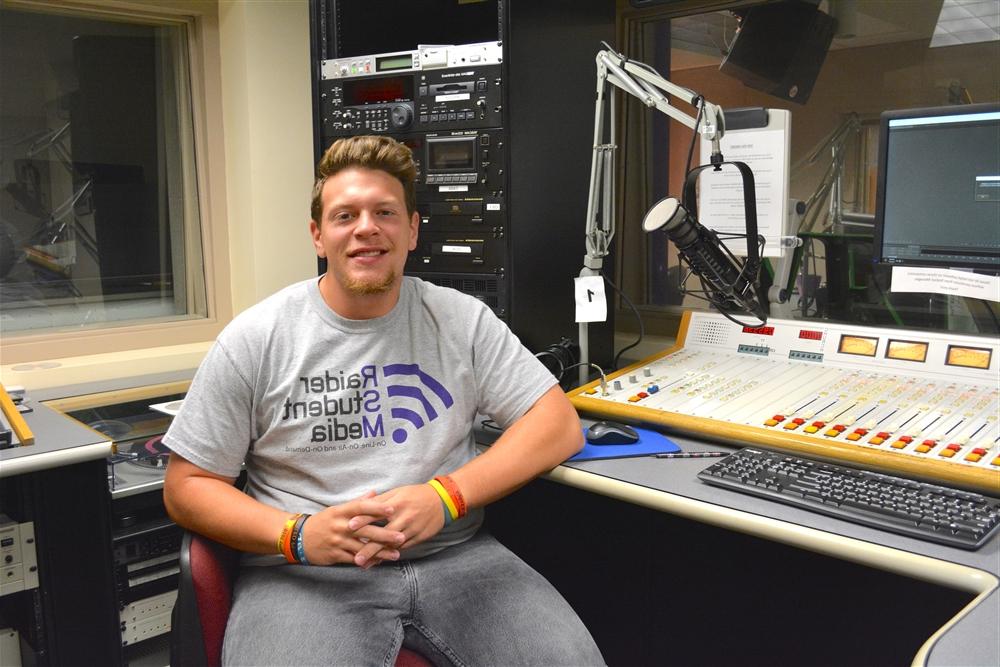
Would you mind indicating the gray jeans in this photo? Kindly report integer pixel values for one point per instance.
(474, 604)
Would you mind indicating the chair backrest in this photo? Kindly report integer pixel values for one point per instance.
(204, 598)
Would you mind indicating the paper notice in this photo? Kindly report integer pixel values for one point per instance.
(945, 281)
(720, 206)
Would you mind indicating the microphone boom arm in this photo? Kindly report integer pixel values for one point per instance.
(616, 72)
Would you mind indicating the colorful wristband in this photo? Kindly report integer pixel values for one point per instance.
(451, 510)
(297, 542)
(455, 494)
(446, 512)
(285, 539)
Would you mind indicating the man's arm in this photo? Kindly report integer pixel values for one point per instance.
(210, 505)
(545, 436)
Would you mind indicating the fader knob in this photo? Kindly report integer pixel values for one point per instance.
(401, 116)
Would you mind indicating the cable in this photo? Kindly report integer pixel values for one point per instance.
(732, 319)
(700, 101)
(638, 317)
(604, 378)
(565, 353)
(694, 136)
(490, 425)
(547, 353)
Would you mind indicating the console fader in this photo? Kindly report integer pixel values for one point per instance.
(909, 402)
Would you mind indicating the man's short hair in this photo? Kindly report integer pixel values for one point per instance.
(369, 152)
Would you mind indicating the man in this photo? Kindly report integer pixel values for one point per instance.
(351, 399)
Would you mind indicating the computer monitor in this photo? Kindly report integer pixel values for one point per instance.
(938, 194)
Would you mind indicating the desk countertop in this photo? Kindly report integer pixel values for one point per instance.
(672, 486)
(59, 441)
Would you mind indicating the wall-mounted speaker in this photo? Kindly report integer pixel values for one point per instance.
(780, 48)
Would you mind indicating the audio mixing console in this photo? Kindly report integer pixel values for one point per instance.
(916, 403)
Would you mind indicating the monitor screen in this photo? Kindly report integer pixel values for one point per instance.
(938, 195)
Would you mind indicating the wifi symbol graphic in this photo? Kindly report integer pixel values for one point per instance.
(413, 370)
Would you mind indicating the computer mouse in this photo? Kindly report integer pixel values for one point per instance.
(611, 433)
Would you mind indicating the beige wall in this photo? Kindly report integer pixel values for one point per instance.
(266, 110)
(268, 144)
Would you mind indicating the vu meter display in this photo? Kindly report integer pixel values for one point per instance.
(859, 345)
(905, 349)
(969, 357)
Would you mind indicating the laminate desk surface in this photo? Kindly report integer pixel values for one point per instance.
(972, 637)
(59, 441)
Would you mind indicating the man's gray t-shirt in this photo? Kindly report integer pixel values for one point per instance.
(323, 409)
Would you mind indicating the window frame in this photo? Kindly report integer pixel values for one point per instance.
(199, 20)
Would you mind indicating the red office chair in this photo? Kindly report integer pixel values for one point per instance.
(204, 596)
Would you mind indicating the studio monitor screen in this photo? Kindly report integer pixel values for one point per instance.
(780, 48)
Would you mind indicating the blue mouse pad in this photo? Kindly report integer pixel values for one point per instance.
(650, 442)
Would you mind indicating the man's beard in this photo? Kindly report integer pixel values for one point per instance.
(367, 287)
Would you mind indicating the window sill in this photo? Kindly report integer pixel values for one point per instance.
(73, 376)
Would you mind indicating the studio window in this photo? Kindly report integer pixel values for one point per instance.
(100, 222)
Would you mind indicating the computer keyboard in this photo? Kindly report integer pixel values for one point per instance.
(925, 511)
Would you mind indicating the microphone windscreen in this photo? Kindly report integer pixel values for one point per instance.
(662, 213)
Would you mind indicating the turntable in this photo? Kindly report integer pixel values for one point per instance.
(136, 428)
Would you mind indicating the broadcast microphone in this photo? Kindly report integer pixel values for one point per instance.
(729, 289)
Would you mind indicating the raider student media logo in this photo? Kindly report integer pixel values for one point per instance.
(351, 406)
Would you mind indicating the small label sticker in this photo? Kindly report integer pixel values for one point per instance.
(591, 301)
(457, 249)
